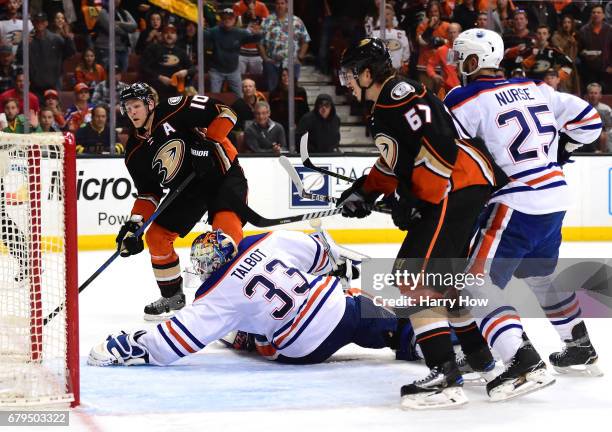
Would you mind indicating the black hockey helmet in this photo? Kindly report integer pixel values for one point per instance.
(368, 53)
(139, 90)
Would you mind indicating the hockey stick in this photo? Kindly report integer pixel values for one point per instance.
(165, 203)
(297, 181)
(308, 163)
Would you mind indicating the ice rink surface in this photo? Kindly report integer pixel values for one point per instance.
(356, 390)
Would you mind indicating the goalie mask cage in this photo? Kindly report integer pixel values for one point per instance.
(38, 271)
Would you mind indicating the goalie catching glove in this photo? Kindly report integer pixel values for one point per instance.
(355, 202)
(127, 242)
(123, 349)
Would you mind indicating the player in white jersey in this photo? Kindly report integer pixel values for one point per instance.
(521, 121)
(275, 285)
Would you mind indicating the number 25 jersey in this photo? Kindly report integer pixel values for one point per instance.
(520, 120)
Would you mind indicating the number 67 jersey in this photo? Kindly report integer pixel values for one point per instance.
(520, 120)
(274, 287)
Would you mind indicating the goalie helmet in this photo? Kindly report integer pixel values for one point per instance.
(210, 251)
(139, 90)
(486, 45)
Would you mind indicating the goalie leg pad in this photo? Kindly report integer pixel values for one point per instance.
(123, 349)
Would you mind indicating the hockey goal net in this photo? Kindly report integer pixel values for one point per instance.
(38, 271)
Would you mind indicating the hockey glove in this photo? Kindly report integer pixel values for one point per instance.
(127, 243)
(355, 202)
(404, 209)
(202, 156)
(565, 149)
(346, 270)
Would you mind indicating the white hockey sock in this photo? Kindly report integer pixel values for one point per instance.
(503, 331)
(561, 308)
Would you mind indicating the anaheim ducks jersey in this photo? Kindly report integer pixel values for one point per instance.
(419, 146)
(162, 159)
(397, 44)
(520, 120)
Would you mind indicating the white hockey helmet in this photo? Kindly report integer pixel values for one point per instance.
(486, 45)
(210, 251)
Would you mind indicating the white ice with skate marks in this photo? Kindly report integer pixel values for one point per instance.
(358, 389)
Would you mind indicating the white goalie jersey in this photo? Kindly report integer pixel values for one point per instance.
(520, 121)
(275, 287)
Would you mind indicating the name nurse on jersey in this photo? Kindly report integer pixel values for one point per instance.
(506, 97)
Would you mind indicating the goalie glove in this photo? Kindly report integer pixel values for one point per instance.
(123, 349)
(127, 242)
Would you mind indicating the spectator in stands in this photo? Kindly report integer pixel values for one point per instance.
(12, 27)
(251, 13)
(551, 77)
(17, 93)
(124, 25)
(226, 40)
(396, 41)
(579, 10)
(188, 41)
(46, 121)
(609, 13)
(605, 112)
(88, 71)
(8, 69)
(60, 26)
(430, 34)
(79, 113)
(442, 72)
(565, 38)
(274, 48)
(95, 136)
(166, 66)
(244, 107)
(322, 125)
(595, 41)
(466, 14)
(47, 54)
(279, 102)
(372, 20)
(101, 93)
(543, 57)
(52, 103)
(482, 20)
(152, 34)
(519, 43)
(264, 134)
(502, 17)
(15, 121)
(541, 13)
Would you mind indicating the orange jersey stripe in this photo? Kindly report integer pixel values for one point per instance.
(179, 338)
(498, 321)
(311, 301)
(564, 312)
(438, 229)
(433, 335)
(545, 177)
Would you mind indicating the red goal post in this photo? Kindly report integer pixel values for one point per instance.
(39, 362)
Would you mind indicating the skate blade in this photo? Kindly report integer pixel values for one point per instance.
(448, 398)
(473, 379)
(591, 370)
(157, 318)
(533, 381)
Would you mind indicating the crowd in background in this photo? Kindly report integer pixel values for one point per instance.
(566, 43)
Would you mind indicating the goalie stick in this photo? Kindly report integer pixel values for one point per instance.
(297, 181)
(165, 203)
(308, 163)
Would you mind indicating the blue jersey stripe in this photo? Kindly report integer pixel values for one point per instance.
(290, 322)
(568, 319)
(169, 342)
(494, 314)
(188, 333)
(560, 304)
(580, 116)
(502, 330)
(314, 312)
(590, 127)
(528, 188)
(533, 170)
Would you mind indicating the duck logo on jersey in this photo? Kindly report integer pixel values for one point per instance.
(388, 149)
(401, 90)
(169, 159)
(315, 183)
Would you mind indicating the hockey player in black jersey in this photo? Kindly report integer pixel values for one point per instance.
(436, 184)
(170, 140)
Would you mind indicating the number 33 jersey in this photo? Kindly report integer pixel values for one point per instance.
(520, 120)
(275, 287)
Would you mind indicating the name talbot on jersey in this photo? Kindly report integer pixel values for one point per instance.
(506, 97)
(247, 264)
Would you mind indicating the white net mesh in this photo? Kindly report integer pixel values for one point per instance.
(33, 365)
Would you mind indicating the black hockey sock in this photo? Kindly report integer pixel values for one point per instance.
(470, 337)
(436, 346)
(170, 288)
